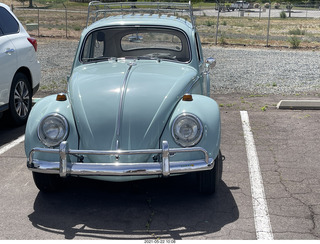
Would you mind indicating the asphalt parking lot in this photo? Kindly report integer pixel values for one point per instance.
(286, 143)
(287, 146)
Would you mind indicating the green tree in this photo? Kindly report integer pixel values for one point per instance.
(30, 2)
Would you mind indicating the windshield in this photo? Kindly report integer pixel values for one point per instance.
(136, 42)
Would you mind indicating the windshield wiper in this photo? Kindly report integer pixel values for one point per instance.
(140, 57)
(88, 60)
(146, 58)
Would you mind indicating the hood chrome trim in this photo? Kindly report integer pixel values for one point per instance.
(121, 104)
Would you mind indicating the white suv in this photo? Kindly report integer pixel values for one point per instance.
(19, 67)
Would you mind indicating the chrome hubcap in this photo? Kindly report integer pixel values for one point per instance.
(21, 99)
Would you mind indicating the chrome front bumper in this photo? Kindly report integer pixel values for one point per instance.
(65, 167)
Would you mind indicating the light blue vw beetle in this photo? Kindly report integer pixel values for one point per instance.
(138, 104)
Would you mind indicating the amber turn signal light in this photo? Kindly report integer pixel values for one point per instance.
(187, 97)
(61, 97)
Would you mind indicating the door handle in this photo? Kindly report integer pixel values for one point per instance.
(9, 51)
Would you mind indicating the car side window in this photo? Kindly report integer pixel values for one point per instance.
(8, 23)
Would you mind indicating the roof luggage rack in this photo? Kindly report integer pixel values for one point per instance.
(98, 10)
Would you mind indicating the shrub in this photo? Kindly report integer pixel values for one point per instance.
(283, 15)
(209, 23)
(222, 39)
(77, 28)
(297, 32)
(277, 5)
(294, 41)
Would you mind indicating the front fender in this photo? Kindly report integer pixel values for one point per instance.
(42, 108)
(207, 110)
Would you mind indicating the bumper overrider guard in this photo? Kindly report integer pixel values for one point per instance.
(165, 167)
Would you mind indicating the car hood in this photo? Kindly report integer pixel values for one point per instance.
(122, 105)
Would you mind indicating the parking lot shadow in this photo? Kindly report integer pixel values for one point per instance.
(168, 208)
(9, 132)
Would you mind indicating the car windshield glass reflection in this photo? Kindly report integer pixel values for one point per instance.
(136, 43)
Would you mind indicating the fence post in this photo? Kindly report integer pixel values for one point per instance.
(268, 30)
(38, 22)
(306, 6)
(66, 19)
(260, 13)
(217, 28)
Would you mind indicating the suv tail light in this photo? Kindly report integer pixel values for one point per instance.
(34, 43)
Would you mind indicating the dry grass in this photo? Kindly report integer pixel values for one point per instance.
(253, 32)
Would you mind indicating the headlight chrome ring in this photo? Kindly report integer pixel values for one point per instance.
(53, 129)
(187, 130)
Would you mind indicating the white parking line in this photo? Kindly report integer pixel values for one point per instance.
(11, 144)
(260, 208)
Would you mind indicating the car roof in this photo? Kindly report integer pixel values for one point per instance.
(143, 20)
(6, 7)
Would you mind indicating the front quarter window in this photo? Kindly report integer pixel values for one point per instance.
(94, 47)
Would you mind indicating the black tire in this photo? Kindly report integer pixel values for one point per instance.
(208, 180)
(48, 182)
(20, 100)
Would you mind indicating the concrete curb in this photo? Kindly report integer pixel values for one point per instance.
(299, 104)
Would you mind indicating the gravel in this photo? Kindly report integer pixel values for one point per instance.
(265, 71)
(238, 70)
(56, 58)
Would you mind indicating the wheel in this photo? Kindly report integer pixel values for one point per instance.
(208, 180)
(48, 182)
(20, 100)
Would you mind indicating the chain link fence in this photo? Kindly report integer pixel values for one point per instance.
(278, 25)
(260, 25)
(63, 23)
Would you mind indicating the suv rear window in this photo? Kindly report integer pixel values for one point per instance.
(8, 23)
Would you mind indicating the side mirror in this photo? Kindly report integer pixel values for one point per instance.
(211, 63)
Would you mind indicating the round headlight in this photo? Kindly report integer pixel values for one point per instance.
(53, 129)
(187, 130)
